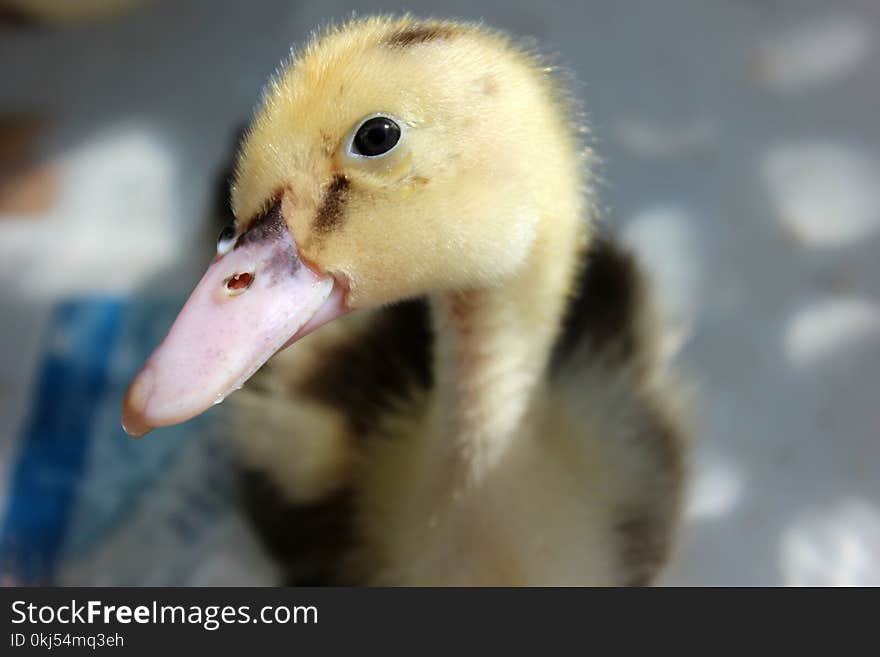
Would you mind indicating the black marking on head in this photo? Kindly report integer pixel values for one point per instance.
(366, 375)
(330, 214)
(269, 225)
(605, 310)
(414, 34)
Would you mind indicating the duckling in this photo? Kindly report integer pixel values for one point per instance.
(478, 395)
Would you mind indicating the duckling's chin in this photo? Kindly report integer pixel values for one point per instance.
(251, 303)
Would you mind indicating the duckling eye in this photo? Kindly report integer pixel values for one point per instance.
(375, 137)
(226, 240)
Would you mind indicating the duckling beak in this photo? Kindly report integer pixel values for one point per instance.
(252, 302)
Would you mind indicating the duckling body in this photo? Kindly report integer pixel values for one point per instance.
(495, 409)
(587, 492)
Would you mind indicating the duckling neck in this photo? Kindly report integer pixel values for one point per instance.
(491, 350)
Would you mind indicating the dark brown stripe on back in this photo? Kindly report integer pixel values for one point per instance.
(646, 530)
(605, 309)
(605, 317)
(330, 214)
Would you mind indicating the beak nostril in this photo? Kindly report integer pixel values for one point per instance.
(239, 282)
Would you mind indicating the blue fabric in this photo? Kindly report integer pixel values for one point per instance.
(77, 476)
(56, 434)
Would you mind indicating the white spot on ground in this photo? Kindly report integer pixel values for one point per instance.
(824, 194)
(663, 237)
(821, 329)
(810, 54)
(651, 140)
(716, 489)
(838, 546)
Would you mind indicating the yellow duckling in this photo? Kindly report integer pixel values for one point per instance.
(495, 409)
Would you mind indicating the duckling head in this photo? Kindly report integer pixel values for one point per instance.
(392, 158)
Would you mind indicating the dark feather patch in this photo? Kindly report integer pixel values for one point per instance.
(604, 310)
(330, 214)
(363, 377)
(307, 541)
(409, 36)
(645, 531)
(360, 378)
(604, 316)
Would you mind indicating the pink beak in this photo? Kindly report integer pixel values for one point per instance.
(252, 302)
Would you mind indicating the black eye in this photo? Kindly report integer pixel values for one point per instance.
(376, 136)
(226, 239)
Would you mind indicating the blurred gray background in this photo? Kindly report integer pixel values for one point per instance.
(741, 158)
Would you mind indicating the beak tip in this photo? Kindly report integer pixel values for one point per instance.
(133, 405)
(136, 430)
(133, 421)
